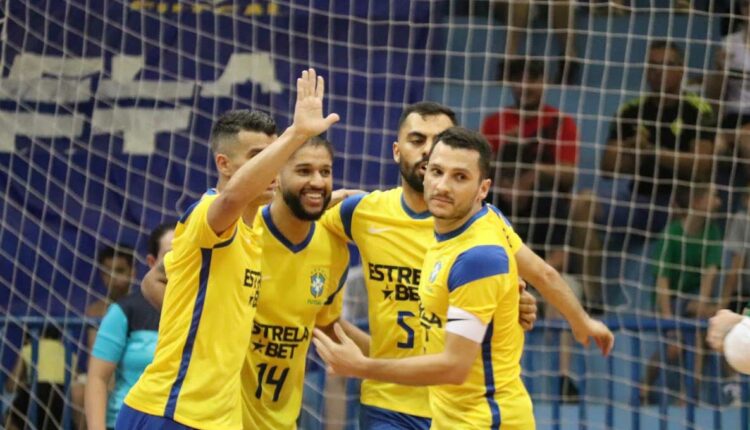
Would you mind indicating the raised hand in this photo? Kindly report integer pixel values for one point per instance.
(308, 111)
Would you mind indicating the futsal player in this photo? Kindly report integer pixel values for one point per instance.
(392, 230)
(214, 271)
(469, 299)
(729, 332)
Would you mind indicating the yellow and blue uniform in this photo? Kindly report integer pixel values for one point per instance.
(302, 288)
(473, 268)
(392, 240)
(205, 326)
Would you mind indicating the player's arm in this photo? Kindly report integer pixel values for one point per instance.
(730, 332)
(252, 179)
(448, 367)
(556, 291)
(97, 391)
(154, 285)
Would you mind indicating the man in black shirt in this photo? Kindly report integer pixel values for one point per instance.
(655, 142)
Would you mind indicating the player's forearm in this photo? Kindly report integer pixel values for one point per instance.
(433, 369)
(252, 179)
(551, 286)
(359, 336)
(95, 401)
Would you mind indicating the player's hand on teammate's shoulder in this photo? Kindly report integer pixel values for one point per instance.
(596, 330)
(526, 307)
(308, 111)
(343, 358)
(342, 194)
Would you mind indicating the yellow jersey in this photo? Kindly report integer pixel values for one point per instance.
(473, 268)
(392, 241)
(302, 288)
(205, 325)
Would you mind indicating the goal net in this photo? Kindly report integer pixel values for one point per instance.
(106, 110)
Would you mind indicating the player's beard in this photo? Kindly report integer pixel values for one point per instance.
(412, 175)
(294, 201)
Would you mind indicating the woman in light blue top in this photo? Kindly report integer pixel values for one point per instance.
(124, 345)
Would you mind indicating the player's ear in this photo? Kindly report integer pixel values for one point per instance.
(222, 164)
(396, 152)
(150, 261)
(484, 188)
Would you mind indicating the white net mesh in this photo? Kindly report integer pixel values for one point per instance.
(106, 109)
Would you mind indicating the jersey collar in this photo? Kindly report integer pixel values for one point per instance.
(451, 234)
(281, 238)
(411, 213)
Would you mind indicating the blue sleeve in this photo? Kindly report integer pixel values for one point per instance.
(477, 263)
(112, 335)
(347, 212)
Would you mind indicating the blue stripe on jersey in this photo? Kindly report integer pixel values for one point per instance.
(347, 212)
(189, 210)
(467, 224)
(280, 236)
(187, 350)
(342, 281)
(500, 214)
(477, 263)
(414, 215)
(489, 378)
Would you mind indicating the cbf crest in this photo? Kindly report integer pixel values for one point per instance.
(435, 271)
(318, 279)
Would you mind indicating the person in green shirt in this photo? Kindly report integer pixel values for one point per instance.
(687, 262)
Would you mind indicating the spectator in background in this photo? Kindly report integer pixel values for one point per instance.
(535, 151)
(688, 258)
(116, 271)
(656, 142)
(49, 396)
(124, 345)
(560, 15)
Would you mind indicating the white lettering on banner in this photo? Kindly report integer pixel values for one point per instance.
(139, 126)
(37, 124)
(66, 80)
(30, 66)
(255, 67)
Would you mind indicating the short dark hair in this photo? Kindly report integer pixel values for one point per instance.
(155, 237)
(518, 68)
(316, 141)
(667, 44)
(463, 138)
(234, 121)
(428, 108)
(121, 251)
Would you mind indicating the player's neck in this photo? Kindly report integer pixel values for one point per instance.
(414, 199)
(293, 228)
(447, 225)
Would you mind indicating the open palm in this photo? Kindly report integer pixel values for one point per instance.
(308, 111)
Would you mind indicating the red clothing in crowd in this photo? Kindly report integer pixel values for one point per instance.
(508, 120)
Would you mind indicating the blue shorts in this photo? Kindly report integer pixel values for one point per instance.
(130, 419)
(635, 213)
(374, 418)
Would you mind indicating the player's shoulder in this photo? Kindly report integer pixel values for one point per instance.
(477, 262)
(205, 199)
